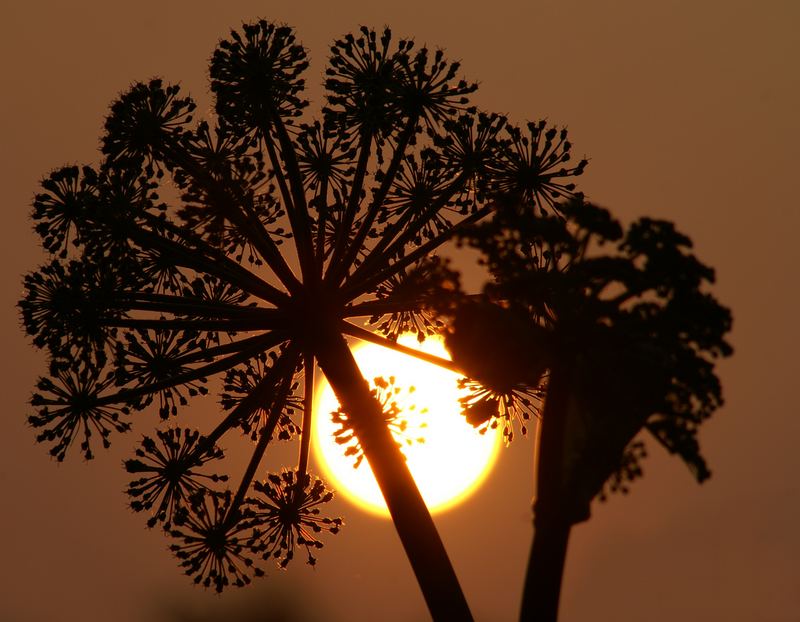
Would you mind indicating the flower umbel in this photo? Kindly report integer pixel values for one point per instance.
(242, 251)
(169, 476)
(240, 382)
(486, 408)
(287, 514)
(213, 546)
(73, 404)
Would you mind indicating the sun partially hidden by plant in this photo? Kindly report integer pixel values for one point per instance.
(243, 248)
(386, 392)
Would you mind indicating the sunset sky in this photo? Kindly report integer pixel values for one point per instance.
(688, 111)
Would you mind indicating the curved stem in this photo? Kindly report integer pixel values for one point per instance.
(413, 522)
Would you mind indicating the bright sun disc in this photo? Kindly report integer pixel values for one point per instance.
(454, 458)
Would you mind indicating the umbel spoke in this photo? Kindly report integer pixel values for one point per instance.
(365, 335)
(308, 412)
(275, 409)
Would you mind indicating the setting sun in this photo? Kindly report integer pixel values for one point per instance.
(448, 465)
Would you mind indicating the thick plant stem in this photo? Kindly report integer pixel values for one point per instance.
(551, 521)
(413, 522)
(545, 569)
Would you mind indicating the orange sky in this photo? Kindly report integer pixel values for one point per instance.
(688, 111)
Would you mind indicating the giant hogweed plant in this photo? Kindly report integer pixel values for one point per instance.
(288, 235)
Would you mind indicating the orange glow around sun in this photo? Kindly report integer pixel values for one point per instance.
(454, 458)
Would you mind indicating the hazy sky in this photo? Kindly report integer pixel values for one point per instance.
(688, 111)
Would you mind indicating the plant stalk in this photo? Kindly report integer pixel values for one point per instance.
(551, 521)
(412, 520)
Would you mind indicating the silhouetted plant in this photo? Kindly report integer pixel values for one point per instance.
(214, 549)
(284, 231)
(169, 480)
(617, 326)
(287, 509)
